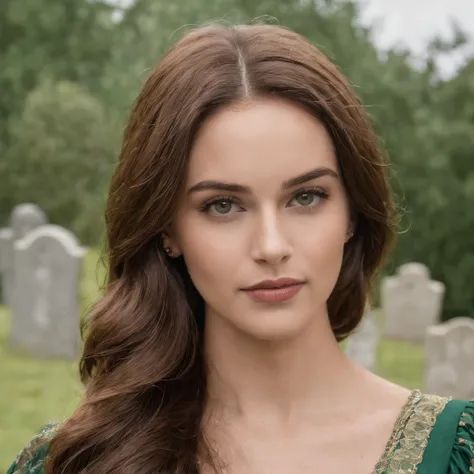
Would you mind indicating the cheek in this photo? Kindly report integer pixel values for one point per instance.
(323, 245)
(211, 253)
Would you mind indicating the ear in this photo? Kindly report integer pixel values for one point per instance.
(350, 231)
(170, 246)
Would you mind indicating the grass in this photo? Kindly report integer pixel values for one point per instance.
(36, 392)
(401, 362)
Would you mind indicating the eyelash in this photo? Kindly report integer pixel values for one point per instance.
(312, 190)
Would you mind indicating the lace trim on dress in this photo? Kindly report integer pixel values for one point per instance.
(405, 449)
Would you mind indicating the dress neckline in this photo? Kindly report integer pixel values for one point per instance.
(405, 448)
(405, 413)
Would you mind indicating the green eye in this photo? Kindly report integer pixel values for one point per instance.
(306, 199)
(222, 207)
(309, 197)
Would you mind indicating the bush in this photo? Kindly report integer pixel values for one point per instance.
(64, 147)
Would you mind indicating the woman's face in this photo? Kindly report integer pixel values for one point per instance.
(263, 201)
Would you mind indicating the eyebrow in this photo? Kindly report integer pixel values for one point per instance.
(239, 188)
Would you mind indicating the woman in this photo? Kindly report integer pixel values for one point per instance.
(246, 219)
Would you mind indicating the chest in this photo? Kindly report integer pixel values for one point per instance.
(354, 449)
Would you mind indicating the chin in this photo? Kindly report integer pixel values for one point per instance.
(273, 327)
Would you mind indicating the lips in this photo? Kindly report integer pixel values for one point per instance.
(274, 291)
(273, 284)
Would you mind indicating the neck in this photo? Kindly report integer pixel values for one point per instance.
(248, 376)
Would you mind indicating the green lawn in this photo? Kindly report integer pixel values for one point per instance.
(36, 392)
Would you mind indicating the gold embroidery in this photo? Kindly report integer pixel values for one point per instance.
(404, 451)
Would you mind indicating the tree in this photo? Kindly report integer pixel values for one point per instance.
(65, 145)
(70, 39)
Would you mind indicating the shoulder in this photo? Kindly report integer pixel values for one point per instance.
(451, 439)
(31, 459)
(435, 435)
(462, 453)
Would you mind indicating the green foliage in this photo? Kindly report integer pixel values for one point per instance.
(62, 152)
(62, 138)
(68, 39)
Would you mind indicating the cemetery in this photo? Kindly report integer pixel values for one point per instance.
(63, 126)
(49, 281)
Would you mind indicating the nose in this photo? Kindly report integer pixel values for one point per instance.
(270, 244)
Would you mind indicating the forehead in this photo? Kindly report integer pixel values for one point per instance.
(269, 138)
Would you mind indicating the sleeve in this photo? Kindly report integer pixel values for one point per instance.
(31, 459)
(462, 456)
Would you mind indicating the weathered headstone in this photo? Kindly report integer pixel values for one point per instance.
(6, 264)
(24, 219)
(362, 345)
(411, 302)
(449, 359)
(45, 305)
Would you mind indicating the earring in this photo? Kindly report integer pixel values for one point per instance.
(168, 251)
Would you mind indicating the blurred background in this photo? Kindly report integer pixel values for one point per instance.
(69, 72)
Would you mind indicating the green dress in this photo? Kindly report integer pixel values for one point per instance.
(433, 435)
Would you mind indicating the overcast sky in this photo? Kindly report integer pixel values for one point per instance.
(413, 22)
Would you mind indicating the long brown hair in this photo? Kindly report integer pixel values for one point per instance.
(142, 365)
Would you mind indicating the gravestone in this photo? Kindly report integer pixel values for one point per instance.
(450, 359)
(362, 344)
(411, 302)
(6, 265)
(24, 218)
(45, 306)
